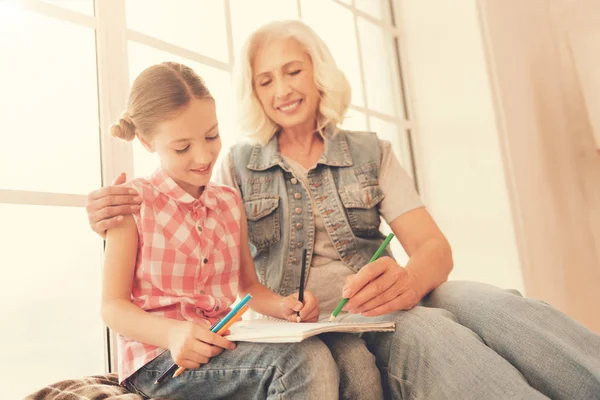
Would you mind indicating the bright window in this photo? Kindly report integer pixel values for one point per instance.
(67, 67)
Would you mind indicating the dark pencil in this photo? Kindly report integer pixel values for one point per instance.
(169, 371)
(302, 276)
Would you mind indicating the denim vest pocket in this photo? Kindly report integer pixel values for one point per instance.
(263, 220)
(360, 204)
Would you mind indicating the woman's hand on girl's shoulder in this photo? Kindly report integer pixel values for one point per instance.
(193, 344)
(107, 206)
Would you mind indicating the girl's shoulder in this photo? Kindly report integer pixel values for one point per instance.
(145, 187)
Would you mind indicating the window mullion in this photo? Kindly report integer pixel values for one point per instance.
(113, 86)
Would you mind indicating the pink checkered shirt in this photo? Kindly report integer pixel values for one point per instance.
(188, 258)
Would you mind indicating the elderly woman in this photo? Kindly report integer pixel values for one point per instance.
(306, 184)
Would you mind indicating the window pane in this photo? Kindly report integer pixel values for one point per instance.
(82, 6)
(379, 62)
(196, 25)
(246, 16)
(50, 133)
(355, 121)
(392, 131)
(341, 40)
(141, 57)
(51, 262)
(379, 9)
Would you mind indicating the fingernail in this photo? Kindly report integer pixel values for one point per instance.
(345, 308)
(298, 307)
(137, 198)
(119, 218)
(135, 208)
(346, 293)
(133, 191)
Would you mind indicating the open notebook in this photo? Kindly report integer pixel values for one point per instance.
(280, 331)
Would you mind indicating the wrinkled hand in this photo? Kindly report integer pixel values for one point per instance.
(193, 344)
(107, 206)
(381, 287)
(309, 311)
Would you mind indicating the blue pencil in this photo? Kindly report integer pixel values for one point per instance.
(231, 313)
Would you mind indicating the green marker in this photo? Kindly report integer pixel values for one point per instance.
(343, 302)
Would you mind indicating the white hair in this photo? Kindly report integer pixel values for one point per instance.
(334, 88)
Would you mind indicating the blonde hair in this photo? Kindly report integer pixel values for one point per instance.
(157, 94)
(333, 85)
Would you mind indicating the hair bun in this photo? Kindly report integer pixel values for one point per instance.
(125, 129)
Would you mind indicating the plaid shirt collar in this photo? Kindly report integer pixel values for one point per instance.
(165, 184)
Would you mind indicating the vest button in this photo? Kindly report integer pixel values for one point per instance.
(299, 245)
(299, 226)
(294, 181)
(294, 261)
(298, 210)
(297, 196)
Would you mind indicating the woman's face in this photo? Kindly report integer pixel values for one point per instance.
(284, 82)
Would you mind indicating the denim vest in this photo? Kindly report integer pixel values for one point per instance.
(344, 185)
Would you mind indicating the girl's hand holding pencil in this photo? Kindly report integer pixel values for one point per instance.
(193, 344)
(291, 307)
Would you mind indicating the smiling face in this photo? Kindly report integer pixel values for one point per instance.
(188, 145)
(284, 83)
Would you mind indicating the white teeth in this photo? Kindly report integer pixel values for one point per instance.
(290, 106)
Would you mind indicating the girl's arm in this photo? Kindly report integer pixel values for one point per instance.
(118, 312)
(190, 343)
(264, 301)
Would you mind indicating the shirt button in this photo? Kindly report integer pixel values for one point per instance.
(299, 226)
(297, 196)
(199, 228)
(298, 210)
(205, 261)
(294, 181)
(299, 245)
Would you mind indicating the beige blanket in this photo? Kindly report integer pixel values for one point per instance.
(88, 388)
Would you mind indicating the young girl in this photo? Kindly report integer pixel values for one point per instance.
(174, 268)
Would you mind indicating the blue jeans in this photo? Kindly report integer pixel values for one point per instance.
(304, 370)
(470, 340)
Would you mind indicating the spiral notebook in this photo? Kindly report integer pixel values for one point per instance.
(280, 331)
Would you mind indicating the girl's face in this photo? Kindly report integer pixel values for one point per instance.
(284, 83)
(188, 145)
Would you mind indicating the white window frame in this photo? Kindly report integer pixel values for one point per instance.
(112, 36)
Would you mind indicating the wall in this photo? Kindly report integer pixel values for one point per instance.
(457, 147)
(548, 146)
(504, 147)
